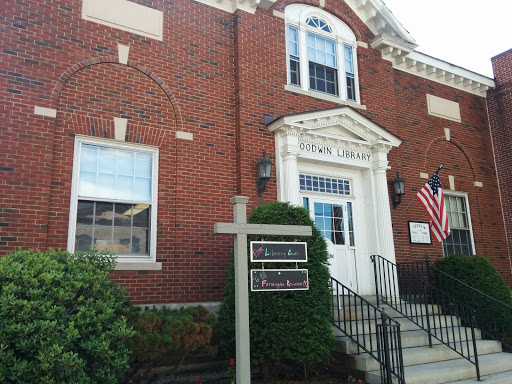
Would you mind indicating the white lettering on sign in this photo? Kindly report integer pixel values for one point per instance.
(344, 153)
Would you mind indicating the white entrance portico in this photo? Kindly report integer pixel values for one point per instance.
(333, 162)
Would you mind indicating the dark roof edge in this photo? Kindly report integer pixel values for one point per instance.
(501, 54)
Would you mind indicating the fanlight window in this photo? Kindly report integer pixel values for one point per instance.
(316, 22)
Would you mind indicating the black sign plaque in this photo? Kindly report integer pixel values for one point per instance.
(278, 251)
(279, 280)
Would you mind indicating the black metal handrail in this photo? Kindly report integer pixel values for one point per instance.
(493, 317)
(441, 315)
(372, 330)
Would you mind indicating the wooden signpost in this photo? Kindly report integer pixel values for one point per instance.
(241, 229)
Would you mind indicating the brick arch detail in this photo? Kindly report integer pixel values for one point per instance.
(458, 146)
(59, 86)
(477, 213)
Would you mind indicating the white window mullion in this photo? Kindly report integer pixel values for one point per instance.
(93, 224)
(112, 228)
(470, 226)
(304, 61)
(154, 205)
(356, 71)
(73, 206)
(342, 84)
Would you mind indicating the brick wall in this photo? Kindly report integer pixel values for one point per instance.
(500, 116)
(218, 79)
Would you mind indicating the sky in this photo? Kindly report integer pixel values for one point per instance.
(466, 33)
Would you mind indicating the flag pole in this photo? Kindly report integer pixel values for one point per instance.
(406, 208)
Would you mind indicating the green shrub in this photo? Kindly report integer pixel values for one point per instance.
(170, 334)
(61, 319)
(479, 273)
(292, 327)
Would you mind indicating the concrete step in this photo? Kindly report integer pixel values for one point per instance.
(417, 338)
(369, 326)
(357, 312)
(497, 378)
(451, 370)
(422, 355)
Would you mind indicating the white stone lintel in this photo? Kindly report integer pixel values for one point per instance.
(123, 53)
(447, 134)
(138, 266)
(42, 111)
(451, 180)
(120, 126)
(184, 135)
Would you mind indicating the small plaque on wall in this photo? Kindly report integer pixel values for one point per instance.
(419, 233)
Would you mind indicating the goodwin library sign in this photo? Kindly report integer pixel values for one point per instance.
(338, 152)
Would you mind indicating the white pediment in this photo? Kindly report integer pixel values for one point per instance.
(380, 19)
(336, 125)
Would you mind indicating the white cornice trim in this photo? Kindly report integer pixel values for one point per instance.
(231, 6)
(379, 19)
(440, 71)
(397, 46)
(405, 58)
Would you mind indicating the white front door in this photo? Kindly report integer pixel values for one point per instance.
(334, 218)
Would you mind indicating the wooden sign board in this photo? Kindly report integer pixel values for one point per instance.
(278, 251)
(279, 280)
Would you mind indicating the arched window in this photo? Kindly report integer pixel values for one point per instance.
(320, 51)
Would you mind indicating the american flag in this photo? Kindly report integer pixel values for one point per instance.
(431, 196)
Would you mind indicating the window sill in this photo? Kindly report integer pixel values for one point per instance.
(138, 266)
(323, 96)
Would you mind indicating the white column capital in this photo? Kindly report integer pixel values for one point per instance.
(380, 161)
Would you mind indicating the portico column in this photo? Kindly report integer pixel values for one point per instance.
(290, 170)
(382, 207)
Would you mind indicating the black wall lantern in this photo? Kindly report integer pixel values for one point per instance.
(398, 189)
(264, 171)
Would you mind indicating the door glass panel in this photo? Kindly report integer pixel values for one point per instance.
(329, 221)
(338, 235)
(350, 220)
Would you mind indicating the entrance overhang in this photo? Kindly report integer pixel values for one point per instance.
(340, 140)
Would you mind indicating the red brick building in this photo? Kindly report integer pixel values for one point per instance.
(130, 124)
(500, 116)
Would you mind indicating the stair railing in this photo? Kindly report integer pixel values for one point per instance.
(372, 330)
(441, 315)
(493, 317)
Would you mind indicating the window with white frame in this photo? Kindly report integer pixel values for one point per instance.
(324, 184)
(460, 240)
(321, 53)
(113, 205)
